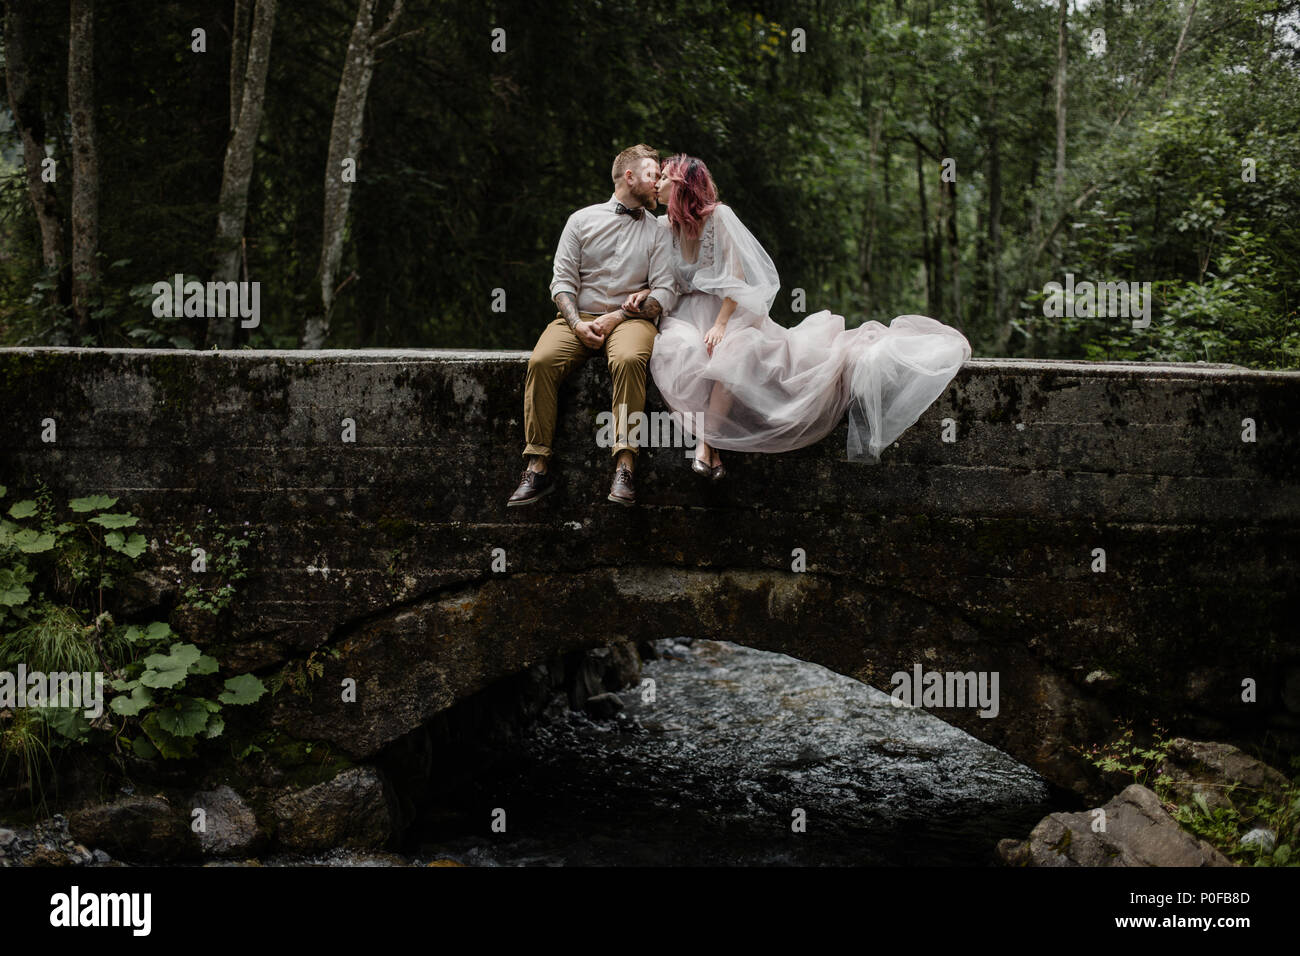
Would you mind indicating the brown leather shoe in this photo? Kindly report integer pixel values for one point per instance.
(622, 491)
(532, 485)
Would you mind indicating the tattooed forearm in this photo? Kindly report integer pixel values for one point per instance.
(568, 307)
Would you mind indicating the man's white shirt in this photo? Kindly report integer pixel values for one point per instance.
(603, 257)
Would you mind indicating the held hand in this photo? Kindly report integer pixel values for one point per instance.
(633, 302)
(607, 322)
(714, 336)
(589, 335)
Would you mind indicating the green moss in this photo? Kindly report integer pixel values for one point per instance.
(177, 378)
(305, 763)
(398, 529)
(18, 371)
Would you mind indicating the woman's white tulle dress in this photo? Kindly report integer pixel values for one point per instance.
(767, 388)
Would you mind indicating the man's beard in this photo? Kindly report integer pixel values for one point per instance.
(648, 198)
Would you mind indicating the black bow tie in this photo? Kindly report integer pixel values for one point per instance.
(621, 210)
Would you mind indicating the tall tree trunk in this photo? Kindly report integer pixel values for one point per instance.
(993, 174)
(946, 235)
(1060, 99)
(1053, 327)
(85, 165)
(1178, 50)
(925, 232)
(954, 254)
(237, 169)
(345, 144)
(867, 247)
(238, 58)
(29, 118)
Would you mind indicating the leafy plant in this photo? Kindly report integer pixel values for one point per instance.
(222, 550)
(1141, 763)
(56, 569)
(169, 696)
(1221, 826)
(298, 675)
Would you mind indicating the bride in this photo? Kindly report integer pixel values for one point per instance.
(763, 387)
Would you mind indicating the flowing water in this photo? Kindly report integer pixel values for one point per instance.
(734, 748)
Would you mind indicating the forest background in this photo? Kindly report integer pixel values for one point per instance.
(398, 173)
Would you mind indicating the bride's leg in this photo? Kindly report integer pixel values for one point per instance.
(720, 401)
(703, 452)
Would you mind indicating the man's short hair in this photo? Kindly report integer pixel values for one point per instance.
(631, 157)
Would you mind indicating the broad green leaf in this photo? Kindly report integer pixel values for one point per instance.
(92, 503)
(132, 547)
(32, 541)
(1281, 855)
(70, 722)
(143, 748)
(115, 520)
(178, 655)
(12, 591)
(243, 689)
(204, 665)
(154, 633)
(215, 726)
(168, 744)
(141, 697)
(163, 678)
(23, 509)
(184, 718)
(168, 670)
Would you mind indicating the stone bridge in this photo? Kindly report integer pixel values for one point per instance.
(1100, 536)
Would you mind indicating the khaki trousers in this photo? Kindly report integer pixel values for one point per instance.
(559, 351)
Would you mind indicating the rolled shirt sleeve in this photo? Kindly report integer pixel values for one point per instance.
(661, 271)
(568, 260)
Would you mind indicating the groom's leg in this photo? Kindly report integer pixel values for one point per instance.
(557, 353)
(628, 349)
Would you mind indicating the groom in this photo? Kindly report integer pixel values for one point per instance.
(606, 252)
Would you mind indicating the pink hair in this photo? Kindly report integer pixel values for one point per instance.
(695, 195)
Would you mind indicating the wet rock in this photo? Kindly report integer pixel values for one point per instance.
(230, 826)
(587, 677)
(1264, 839)
(1138, 832)
(136, 828)
(101, 857)
(624, 665)
(1209, 769)
(7, 837)
(351, 810)
(603, 706)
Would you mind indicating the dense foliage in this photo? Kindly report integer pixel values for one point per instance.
(1180, 146)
